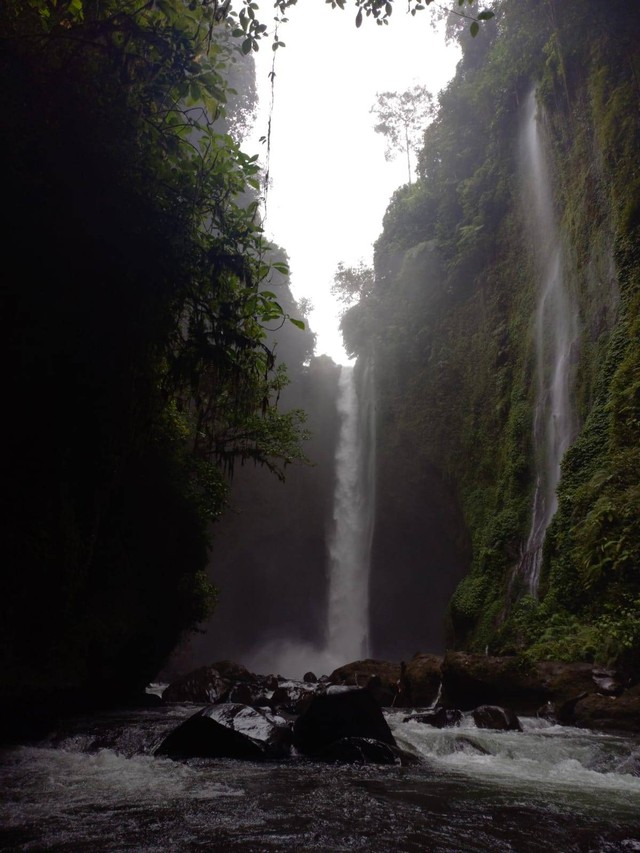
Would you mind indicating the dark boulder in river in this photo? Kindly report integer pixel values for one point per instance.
(229, 731)
(341, 714)
(360, 750)
(439, 718)
(494, 717)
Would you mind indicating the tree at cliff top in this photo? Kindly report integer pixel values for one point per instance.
(136, 294)
(402, 118)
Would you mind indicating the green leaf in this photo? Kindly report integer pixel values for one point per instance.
(299, 323)
(485, 16)
(474, 28)
(359, 18)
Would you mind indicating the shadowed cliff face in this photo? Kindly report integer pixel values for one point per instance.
(269, 556)
(420, 553)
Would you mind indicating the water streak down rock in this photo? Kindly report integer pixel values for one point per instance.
(554, 422)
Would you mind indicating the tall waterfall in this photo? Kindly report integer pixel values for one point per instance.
(350, 547)
(346, 634)
(554, 422)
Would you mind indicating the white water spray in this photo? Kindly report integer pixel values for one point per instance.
(554, 425)
(350, 548)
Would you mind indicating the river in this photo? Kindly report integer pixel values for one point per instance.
(95, 785)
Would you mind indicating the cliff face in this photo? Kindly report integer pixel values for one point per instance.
(269, 554)
(458, 322)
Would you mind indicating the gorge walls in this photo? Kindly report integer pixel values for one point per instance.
(507, 353)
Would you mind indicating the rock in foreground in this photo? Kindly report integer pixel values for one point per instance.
(229, 731)
(494, 717)
(331, 717)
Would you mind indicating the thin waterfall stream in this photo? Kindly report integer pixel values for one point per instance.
(554, 421)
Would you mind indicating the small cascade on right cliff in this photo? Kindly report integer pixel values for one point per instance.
(554, 421)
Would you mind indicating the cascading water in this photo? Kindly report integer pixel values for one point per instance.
(346, 635)
(554, 424)
(350, 549)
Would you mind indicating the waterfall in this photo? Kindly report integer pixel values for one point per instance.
(554, 421)
(346, 634)
(350, 546)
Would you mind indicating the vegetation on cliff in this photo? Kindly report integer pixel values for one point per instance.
(137, 292)
(451, 321)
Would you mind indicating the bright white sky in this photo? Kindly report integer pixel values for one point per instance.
(330, 183)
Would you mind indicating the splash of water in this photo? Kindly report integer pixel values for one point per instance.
(554, 422)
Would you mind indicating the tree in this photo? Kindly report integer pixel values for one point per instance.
(402, 117)
(350, 284)
(137, 314)
(251, 30)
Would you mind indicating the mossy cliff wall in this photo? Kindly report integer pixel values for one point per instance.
(451, 322)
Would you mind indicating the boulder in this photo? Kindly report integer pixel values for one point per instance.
(472, 680)
(332, 716)
(358, 673)
(495, 717)
(232, 671)
(310, 678)
(292, 696)
(248, 693)
(611, 713)
(565, 712)
(423, 672)
(421, 677)
(439, 718)
(204, 685)
(229, 731)
(547, 712)
(359, 750)
(607, 681)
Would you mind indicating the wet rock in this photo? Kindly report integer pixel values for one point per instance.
(271, 682)
(333, 716)
(439, 718)
(310, 678)
(204, 685)
(495, 717)
(229, 730)
(547, 712)
(425, 676)
(607, 682)
(292, 696)
(359, 673)
(473, 680)
(246, 693)
(384, 696)
(233, 672)
(359, 750)
(566, 711)
(422, 673)
(611, 713)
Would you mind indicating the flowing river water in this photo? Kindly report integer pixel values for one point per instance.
(96, 786)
